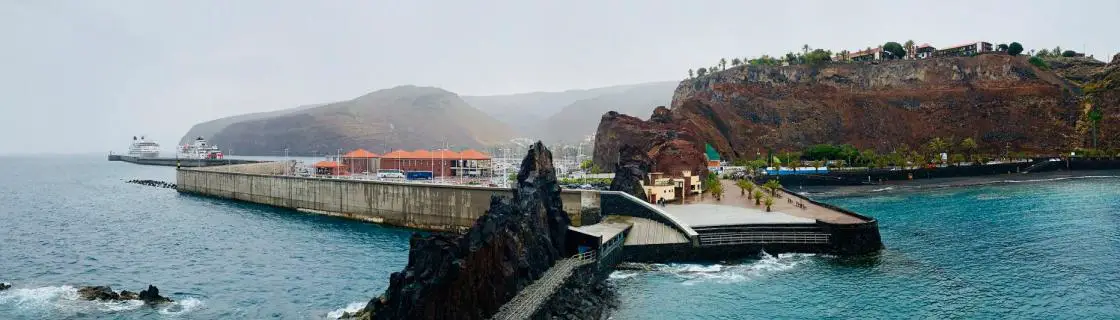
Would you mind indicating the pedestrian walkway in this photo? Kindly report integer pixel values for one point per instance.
(530, 299)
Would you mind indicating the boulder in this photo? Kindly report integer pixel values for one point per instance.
(5, 286)
(632, 168)
(151, 296)
(104, 293)
(129, 295)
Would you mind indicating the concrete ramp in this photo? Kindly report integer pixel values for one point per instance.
(646, 231)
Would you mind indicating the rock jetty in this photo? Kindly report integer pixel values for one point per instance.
(106, 293)
(471, 276)
(153, 183)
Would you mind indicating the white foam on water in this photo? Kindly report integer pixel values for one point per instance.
(117, 306)
(39, 298)
(351, 308)
(181, 307)
(883, 189)
(766, 265)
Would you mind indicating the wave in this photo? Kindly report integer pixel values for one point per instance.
(882, 189)
(350, 308)
(65, 299)
(692, 274)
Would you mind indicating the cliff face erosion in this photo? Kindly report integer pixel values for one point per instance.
(471, 276)
(1001, 101)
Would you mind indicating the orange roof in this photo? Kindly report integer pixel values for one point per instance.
(472, 154)
(327, 164)
(401, 154)
(446, 154)
(360, 153)
(421, 154)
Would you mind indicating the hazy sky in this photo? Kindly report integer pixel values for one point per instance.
(85, 76)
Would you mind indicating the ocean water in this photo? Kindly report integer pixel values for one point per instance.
(1043, 249)
(72, 221)
(1046, 249)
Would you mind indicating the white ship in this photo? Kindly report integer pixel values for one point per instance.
(142, 148)
(199, 149)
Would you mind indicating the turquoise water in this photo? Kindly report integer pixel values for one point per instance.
(1026, 250)
(1011, 251)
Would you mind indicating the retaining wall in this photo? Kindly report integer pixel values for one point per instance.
(433, 207)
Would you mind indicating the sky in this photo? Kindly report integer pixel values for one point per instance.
(86, 76)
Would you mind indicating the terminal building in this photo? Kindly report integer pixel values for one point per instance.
(441, 163)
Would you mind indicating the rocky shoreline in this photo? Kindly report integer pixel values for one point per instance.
(149, 296)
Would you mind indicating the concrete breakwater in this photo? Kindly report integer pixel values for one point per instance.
(433, 207)
(179, 162)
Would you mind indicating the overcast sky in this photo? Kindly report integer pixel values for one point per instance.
(85, 76)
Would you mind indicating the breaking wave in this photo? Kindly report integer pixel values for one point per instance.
(691, 274)
(65, 300)
(351, 308)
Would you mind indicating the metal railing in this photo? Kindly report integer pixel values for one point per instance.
(732, 238)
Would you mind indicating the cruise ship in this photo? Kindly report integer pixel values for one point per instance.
(142, 148)
(199, 149)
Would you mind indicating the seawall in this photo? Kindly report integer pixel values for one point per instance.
(431, 207)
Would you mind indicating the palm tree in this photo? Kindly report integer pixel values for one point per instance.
(690, 73)
(938, 146)
(909, 47)
(701, 72)
(758, 197)
(716, 189)
(742, 184)
(768, 201)
(750, 189)
(773, 185)
(723, 63)
(805, 48)
(969, 146)
(736, 61)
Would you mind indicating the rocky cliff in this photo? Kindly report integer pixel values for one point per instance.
(471, 276)
(1102, 93)
(406, 117)
(999, 100)
(670, 146)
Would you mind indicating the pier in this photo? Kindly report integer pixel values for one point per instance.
(179, 162)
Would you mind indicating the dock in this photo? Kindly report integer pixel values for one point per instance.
(179, 162)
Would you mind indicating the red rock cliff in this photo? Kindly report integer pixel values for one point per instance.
(999, 100)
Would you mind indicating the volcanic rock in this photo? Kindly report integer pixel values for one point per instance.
(129, 295)
(5, 286)
(471, 276)
(1115, 60)
(670, 147)
(632, 168)
(104, 293)
(1001, 101)
(151, 296)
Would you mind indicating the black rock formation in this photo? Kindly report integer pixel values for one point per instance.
(633, 165)
(105, 293)
(153, 183)
(151, 296)
(98, 293)
(5, 286)
(471, 276)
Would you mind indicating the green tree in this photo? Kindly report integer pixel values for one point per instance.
(1069, 53)
(938, 146)
(716, 189)
(969, 146)
(1095, 117)
(690, 73)
(1015, 49)
(1002, 47)
(894, 50)
(791, 58)
(868, 156)
(736, 61)
(805, 49)
(723, 63)
(956, 158)
(1057, 51)
(909, 45)
(758, 197)
(586, 164)
(750, 189)
(701, 72)
(773, 185)
(768, 202)
(1041, 53)
(742, 184)
(818, 56)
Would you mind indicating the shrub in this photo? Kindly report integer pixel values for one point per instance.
(895, 49)
(1037, 62)
(1068, 53)
(1014, 49)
